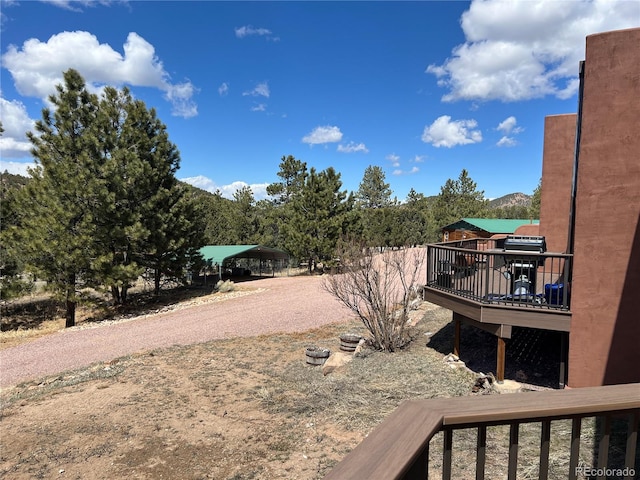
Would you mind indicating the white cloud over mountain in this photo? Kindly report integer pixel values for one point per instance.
(259, 189)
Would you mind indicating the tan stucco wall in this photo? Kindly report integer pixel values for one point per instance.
(557, 172)
(605, 329)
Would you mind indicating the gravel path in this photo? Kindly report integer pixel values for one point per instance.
(285, 304)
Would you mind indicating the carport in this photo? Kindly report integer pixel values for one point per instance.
(219, 254)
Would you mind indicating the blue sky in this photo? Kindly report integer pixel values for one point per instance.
(421, 89)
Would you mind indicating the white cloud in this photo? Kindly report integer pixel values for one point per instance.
(507, 142)
(419, 159)
(223, 89)
(445, 133)
(325, 134)
(353, 147)
(405, 172)
(394, 159)
(259, 189)
(37, 67)
(508, 127)
(261, 90)
(521, 50)
(249, 30)
(16, 168)
(16, 123)
(259, 108)
(74, 5)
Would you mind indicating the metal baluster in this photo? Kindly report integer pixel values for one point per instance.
(446, 454)
(575, 447)
(513, 451)
(545, 436)
(603, 448)
(632, 444)
(481, 451)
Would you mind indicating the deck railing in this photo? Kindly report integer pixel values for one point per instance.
(479, 270)
(399, 448)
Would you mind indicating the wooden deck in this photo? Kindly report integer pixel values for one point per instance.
(496, 290)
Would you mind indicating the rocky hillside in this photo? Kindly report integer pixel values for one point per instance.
(511, 200)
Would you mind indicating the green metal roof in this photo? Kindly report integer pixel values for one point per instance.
(219, 253)
(491, 225)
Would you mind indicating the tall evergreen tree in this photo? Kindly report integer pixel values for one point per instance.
(143, 220)
(459, 199)
(534, 209)
(245, 223)
(373, 191)
(103, 203)
(57, 227)
(318, 217)
(293, 173)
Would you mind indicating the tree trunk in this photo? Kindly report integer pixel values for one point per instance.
(156, 286)
(115, 294)
(70, 314)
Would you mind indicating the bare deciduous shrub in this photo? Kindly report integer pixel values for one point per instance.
(226, 286)
(379, 288)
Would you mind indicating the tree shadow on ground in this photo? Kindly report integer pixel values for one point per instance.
(29, 314)
(32, 313)
(532, 356)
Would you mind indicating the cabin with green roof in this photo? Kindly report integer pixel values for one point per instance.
(467, 228)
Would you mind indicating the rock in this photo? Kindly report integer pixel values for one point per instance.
(483, 384)
(360, 346)
(507, 386)
(453, 361)
(336, 361)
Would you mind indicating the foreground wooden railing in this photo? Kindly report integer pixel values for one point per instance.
(399, 447)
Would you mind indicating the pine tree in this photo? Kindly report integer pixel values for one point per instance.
(293, 173)
(318, 217)
(57, 228)
(144, 221)
(534, 209)
(373, 192)
(103, 203)
(459, 199)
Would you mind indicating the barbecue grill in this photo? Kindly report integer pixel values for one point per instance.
(523, 267)
(524, 243)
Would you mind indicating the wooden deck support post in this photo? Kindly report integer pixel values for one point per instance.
(564, 350)
(502, 348)
(456, 336)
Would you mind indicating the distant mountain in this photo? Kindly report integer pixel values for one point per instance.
(511, 200)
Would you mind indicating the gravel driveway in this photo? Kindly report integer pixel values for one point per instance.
(285, 304)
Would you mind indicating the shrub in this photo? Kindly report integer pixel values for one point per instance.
(226, 286)
(379, 287)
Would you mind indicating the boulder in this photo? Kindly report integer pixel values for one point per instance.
(336, 361)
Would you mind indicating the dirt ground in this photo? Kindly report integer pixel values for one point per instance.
(237, 408)
(228, 409)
